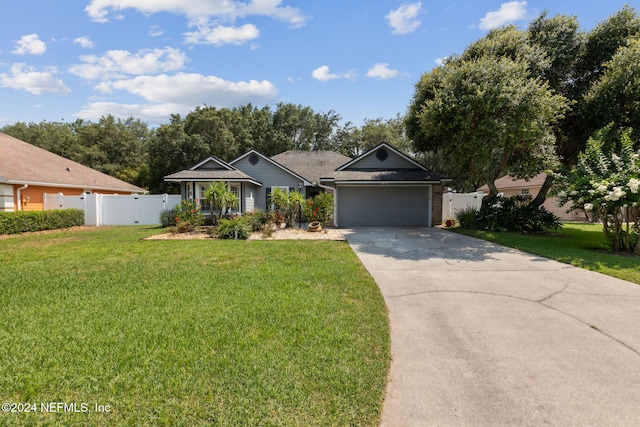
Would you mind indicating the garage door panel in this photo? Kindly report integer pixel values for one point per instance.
(383, 205)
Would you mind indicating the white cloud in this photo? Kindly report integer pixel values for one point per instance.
(84, 42)
(508, 12)
(323, 74)
(199, 10)
(155, 31)
(121, 63)
(221, 35)
(24, 77)
(153, 113)
(166, 95)
(404, 19)
(440, 61)
(30, 45)
(382, 71)
(194, 89)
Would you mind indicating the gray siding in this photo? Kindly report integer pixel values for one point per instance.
(394, 161)
(378, 205)
(269, 175)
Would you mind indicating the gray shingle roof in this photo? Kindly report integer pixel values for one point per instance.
(373, 175)
(207, 175)
(311, 165)
(23, 163)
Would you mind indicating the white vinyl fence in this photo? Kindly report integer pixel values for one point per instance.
(113, 209)
(454, 202)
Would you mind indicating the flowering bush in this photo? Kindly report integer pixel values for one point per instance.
(319, 208)
(607, 184)
(188, 216)
(257, 219)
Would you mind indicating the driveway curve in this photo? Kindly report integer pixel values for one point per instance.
(482, 334)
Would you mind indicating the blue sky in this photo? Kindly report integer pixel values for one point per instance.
(64, 60)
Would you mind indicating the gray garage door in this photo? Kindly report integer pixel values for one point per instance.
(382, 205)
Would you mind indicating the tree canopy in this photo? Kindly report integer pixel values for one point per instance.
(488, 117)
(563, 84)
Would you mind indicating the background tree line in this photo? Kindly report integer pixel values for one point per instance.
(132, 151)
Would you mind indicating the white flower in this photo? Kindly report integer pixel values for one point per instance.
(562, 195)
(615, 195)
(601, 188)
(614, 157)
(588, 206)
(634, 184)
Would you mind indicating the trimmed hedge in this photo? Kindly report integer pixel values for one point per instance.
(22, 221)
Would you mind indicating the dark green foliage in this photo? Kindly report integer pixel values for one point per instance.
(513, 214)
(168, 217)
(467, 218)
(257, 219)
(23, 221)
(188, 211)
(238, 227)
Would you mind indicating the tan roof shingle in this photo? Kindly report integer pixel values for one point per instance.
(23, 163)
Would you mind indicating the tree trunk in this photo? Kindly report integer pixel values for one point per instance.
(542, 194)
(493, 192)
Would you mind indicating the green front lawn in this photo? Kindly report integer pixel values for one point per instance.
(191, 333)
(582, 245)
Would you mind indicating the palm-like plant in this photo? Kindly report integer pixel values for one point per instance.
(220, 197)
(288, 203)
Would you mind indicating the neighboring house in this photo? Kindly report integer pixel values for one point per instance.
(380, 187)
(28, 172)
(513, 187)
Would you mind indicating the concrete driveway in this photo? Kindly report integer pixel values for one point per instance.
(482, 334)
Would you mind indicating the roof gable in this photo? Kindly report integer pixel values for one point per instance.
(382, 157)
(254, 157)
(212, 163)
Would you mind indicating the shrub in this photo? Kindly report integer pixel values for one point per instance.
(23, 221)
(467, 217)
(517, 215)
(168, 217)
(509, 214)
(234, 228)
(188, 212)
(320, 208)
(257, 219)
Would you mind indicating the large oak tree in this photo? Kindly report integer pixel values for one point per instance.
(488, 117)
